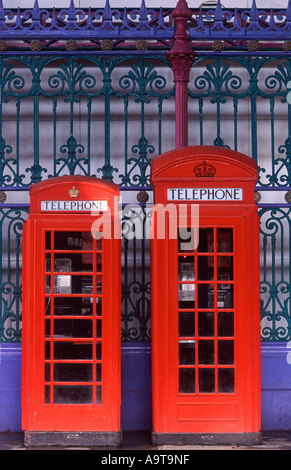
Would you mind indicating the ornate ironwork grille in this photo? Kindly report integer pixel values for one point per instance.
(106, 106)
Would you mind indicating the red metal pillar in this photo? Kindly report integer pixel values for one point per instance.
(181, 58)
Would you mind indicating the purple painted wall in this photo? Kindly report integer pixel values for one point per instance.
(136, 387)
(276, 386)
(10, 387)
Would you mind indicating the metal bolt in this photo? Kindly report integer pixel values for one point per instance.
(3, 196)
(3, 46)
(258, 197)
(141, 45)
(142, 197)
(217, 45)
(71, 45)
(106, 45)
(287, 46)
(35, 45)
(253, 45)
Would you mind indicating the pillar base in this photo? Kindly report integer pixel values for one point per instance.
(178, 439)
(73, 438)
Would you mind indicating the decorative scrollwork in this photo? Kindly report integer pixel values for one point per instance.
(142, 81)
(68, 78)
(11, 222)
(71, 148)
(135, 302)
(275, 282)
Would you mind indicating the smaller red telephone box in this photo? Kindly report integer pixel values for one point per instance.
(71, 314)
(205, 310)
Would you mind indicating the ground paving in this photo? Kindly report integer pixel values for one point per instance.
(141, 441)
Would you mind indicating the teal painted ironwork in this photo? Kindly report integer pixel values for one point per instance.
(11, 221)
(74, 84)
(135, 313)
(220, 85)
(275, 278)
(106, 116)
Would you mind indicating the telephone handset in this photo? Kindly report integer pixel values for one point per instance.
(62, 282)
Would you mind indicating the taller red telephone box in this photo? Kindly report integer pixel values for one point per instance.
(205, 310)
(71, 314)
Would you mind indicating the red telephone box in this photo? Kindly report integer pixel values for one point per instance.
(205, 310)
(71, 314)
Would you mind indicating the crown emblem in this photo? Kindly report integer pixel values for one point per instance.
(73, 192)
(204, 170)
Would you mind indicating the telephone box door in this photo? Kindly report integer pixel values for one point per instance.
(205, 306)
(71, 363)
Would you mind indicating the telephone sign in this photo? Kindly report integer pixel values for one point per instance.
(205, 304)
(71, 315)
(72, 206)
(205, 194)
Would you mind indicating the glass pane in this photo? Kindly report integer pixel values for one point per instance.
(225, 351)
(67, 284)
(73, 328)
(47, 349)
(47, 328)
(77, 394)
(98, 372)
(206, 323)
(186, 268)
(186, 352)
(73, 240)
(47, 240)
(186, 239)
(98, 306)
(69, 350)
(187, 380)
(98, 285)
(186, 292)
(47, 391)
(186, 324)
(73, 306)
(98, 394)
(47, 306)
(98, 328)
(205, 268)
(47, 262)
(205, 296)
(47, 284)
(99, 262)
(63, 284)
(226, 380)
(47, 372)
(225, 326)
(87, 241)
(73, 262)
(206, 240)
(206, 352)
(98, 351)
(225, 296)
(186, 295)
(73, 372)
(225, 268)
(224, 240)
(206, 380)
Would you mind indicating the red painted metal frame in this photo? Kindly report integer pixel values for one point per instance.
(235, 413)
(37, 415)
